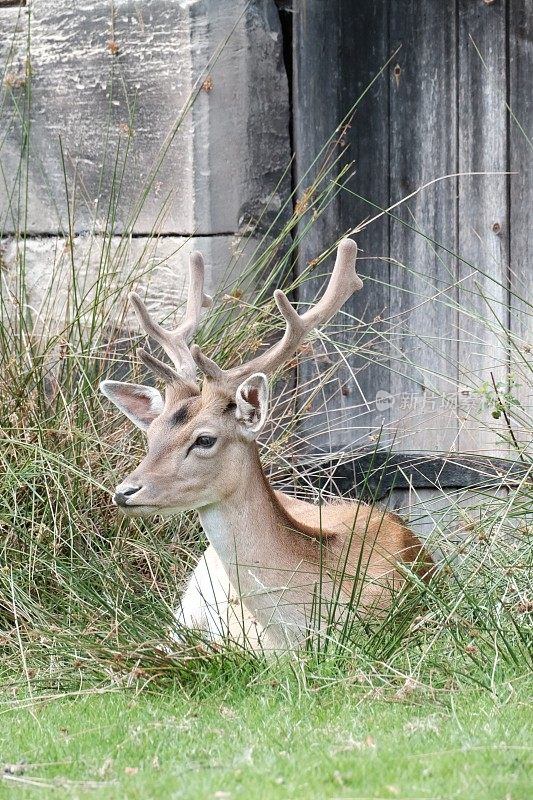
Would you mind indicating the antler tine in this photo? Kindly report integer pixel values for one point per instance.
(162, 370)
(176, 343)
(196, 299)
(343, 283)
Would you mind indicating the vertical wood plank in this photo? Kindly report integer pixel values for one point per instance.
(364, 52)
(352, 41)
(422, 149)
(483, 217)
(446, 113)
(521, 212)
(316, 113)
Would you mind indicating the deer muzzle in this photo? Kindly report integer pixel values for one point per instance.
(124, 495)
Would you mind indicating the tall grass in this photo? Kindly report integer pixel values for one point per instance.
(86, 596)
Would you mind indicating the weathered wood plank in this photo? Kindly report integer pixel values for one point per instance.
(435, 331)
(483, 218)
(364, 52)
(373, 475)
(112, 81)
(351, 53)
(316, 114)
(422, 149)
(521, 213)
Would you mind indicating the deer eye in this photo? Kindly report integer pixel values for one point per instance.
(205, 442)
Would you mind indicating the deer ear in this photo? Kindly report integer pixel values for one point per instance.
(141, 404)
(251, 400)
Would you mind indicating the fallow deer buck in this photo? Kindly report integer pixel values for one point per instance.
(272, 559)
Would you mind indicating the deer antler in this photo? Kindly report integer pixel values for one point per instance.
(343, 283)
(176, 343)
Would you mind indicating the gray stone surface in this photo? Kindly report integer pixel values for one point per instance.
(61, 286)
(113, 84)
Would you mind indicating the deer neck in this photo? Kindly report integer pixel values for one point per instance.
(249, 521)
(269, 563)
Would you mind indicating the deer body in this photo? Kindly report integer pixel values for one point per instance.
(277, 568)
(301, 549)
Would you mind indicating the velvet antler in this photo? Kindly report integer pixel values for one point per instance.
(176, 343)
(343, 283)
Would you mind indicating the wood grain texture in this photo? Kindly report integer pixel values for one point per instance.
(446, 320)
(372, 475)
(423, 149)
(365, 50)
(316, 115)
(350, 56)
(483, 218)
(521, 212)
(405, 129)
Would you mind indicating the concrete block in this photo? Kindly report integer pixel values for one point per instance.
(91, 281)
(112, 85)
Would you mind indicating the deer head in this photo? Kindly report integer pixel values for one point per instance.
(199, 439)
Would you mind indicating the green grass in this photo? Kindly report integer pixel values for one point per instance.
(271, 741)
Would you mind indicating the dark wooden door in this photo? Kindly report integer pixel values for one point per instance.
(440, 89)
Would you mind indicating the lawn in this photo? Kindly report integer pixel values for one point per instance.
(270, 740)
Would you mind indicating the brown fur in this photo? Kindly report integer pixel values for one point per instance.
(338, 523)
(348, 529)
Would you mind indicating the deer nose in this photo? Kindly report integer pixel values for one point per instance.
(123, 493)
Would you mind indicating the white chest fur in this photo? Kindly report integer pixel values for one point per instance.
(210, 604)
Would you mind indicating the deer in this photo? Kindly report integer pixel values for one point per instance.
(272, 559)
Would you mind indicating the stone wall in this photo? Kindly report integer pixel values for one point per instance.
(159, 119)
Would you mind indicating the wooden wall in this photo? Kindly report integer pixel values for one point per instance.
(447, 274)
